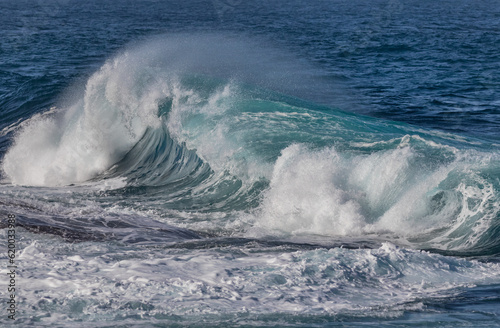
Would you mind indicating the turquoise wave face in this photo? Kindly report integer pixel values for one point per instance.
(294, 168)
(219, 156)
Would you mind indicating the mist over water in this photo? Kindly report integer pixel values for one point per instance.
(122, 99)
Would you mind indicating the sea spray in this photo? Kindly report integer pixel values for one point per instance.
(85, 139)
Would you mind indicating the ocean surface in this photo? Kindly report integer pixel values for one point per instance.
(234, 163)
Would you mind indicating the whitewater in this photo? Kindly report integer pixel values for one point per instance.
(206, 179)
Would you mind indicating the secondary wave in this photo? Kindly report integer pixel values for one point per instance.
(433, 196)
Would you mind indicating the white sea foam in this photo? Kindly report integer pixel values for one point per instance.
(119, 103)
(396, 191)
(104, 281)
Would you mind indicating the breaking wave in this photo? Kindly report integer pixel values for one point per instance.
(190, 129)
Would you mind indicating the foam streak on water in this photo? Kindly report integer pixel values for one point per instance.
(101, 282)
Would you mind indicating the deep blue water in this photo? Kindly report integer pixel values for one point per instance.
(253, 164)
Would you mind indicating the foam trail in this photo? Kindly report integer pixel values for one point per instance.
(378, 282)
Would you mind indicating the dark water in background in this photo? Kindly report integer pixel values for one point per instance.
(210, 162)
